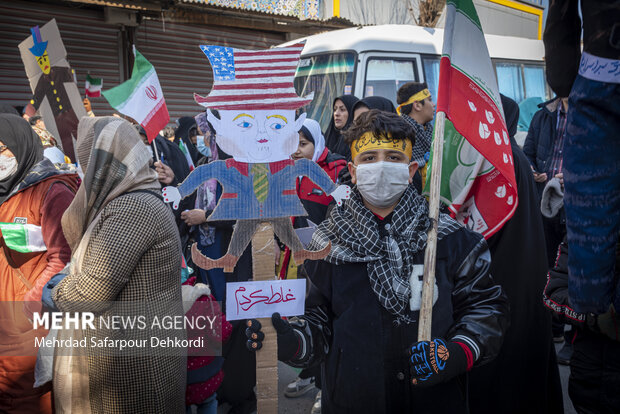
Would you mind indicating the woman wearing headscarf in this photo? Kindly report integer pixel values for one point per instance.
(373, 102)
(125, 249)
(33, 193)
(341, 119)
(312, 146)
(172, 168)
(530, 381)
(185, 132)
(171, 156)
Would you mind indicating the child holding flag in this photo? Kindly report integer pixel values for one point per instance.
(363, 310)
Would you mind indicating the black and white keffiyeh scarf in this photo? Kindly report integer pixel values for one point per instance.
(423, 140)
(355, 238)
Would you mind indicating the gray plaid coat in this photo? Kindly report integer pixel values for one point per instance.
(133, 255)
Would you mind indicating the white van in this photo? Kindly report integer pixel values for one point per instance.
(377, 60)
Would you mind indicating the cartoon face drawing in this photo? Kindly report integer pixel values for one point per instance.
(257, 136)
(44, 63)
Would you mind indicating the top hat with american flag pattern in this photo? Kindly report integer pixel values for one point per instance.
(253, 79)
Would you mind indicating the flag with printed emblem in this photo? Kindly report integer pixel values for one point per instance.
(478, 179)
(141, 97)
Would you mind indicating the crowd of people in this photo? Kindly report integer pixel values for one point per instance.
(105, 234)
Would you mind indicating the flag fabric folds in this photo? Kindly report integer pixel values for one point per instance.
(93, 86)
(478, 180)
(141, 98)
(24, 238)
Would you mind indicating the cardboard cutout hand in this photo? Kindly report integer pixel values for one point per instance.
(343, 192)
(171, 195)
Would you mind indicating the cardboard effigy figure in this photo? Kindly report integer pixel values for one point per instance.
(56, 95)
(254, 93)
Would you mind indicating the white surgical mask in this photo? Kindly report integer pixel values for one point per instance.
(382, 183)
(8, 167)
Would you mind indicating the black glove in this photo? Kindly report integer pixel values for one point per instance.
(289, 344)
(437, 361)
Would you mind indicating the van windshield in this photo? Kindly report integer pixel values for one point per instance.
(328, 76)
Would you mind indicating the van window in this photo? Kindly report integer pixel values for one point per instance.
(535, 85)
(431, 74)
(328, 75)
(510, 81)
(520, 81)
(384, 76)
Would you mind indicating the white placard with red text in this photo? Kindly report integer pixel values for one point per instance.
(247, 300)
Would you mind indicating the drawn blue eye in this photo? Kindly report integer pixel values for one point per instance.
(277, 126)
(244, 124)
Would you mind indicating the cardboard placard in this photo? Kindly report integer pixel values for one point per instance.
(249, 300)
(56, 95)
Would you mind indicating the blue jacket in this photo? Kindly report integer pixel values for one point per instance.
(238, 201)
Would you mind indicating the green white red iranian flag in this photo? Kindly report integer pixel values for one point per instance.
(477, 176)
(141, 97)
(92, 86)
(24, 238)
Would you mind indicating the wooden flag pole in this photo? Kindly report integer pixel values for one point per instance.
(428, 283)
(155, 149)
(263, 268)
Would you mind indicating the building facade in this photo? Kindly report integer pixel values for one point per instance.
(98, 36)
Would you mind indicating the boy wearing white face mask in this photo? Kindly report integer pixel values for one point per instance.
(362, 311)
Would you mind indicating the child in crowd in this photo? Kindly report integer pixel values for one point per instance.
(362, 311)
(204, 369)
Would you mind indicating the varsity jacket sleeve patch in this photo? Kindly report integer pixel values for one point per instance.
(480, 308)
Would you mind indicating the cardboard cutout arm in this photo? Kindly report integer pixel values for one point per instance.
(39, 93)
(201, 174)
(312, 170)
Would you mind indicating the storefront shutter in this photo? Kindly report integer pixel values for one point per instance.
(91, 44)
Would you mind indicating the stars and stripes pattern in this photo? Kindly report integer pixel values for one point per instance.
(253, 79)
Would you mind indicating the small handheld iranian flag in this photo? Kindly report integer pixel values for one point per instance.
(24, 238)
(478, 180)
(188, 157)
(141, 97)
(93, 86)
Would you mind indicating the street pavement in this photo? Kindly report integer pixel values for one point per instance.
(303, 404)
(564, 373)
